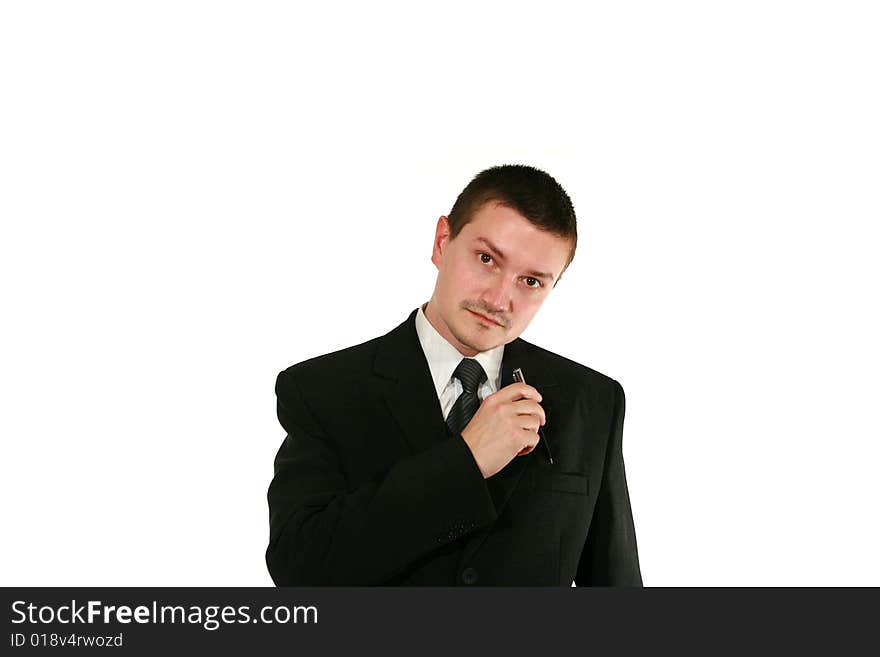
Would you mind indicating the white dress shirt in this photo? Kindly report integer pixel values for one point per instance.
(443, 358)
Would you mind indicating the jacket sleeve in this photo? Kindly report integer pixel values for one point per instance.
(610, 556)
(323, 533)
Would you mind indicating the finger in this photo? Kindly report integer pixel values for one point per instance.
(529, 447)
(529, 407)
(529, 423)
(516, 391)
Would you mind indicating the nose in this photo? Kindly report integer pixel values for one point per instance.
(499, 295)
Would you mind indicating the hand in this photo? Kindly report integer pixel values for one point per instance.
(505, 426)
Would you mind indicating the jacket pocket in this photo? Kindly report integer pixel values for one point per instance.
(562, 482)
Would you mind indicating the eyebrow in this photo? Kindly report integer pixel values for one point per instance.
(533, 274)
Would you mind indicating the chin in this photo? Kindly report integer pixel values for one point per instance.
(471, 340)
(484, 343)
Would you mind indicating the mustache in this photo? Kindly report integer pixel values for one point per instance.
(483, 309)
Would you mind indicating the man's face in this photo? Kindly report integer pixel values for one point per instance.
(493, 277)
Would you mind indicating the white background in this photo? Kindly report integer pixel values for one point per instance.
(195, 195)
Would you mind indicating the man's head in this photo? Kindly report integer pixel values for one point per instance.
(510, 235)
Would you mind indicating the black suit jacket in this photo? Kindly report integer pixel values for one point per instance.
(370, 488)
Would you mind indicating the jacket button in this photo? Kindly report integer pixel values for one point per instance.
(469, 576)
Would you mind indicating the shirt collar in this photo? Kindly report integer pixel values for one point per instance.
(443, 358)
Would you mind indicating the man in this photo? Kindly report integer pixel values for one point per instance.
(416, 459)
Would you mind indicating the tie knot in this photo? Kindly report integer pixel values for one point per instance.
(470, 373)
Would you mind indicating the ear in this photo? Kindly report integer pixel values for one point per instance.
(441, 238)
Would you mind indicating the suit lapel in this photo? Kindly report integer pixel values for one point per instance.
(408, 388)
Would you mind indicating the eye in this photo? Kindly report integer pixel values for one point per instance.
(533, 283)
(485, 258)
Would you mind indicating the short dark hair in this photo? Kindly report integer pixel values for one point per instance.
(529, 191)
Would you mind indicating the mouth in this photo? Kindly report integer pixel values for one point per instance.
(484, 319)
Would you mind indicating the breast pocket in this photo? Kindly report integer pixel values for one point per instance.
(562, 482)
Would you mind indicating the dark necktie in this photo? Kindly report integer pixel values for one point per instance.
(471, 375)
